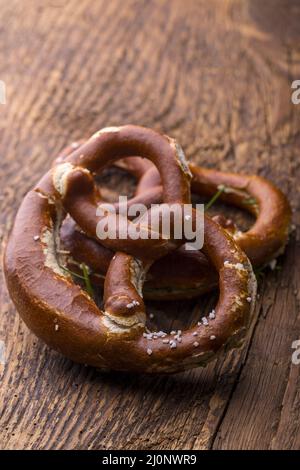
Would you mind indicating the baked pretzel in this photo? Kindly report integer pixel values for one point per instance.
(265, 240)
(68, 319)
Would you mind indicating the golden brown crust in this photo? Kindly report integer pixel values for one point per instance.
(68, 320)
(64, 316)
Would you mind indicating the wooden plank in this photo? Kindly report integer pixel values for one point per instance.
(216, 75)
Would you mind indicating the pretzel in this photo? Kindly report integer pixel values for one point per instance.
(67, 318)
(265, 240)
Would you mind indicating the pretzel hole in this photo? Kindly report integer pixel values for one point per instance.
(114, 182)
(174, 315)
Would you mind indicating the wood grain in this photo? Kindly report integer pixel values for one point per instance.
(216, 75)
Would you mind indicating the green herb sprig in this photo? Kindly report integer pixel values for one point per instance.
(88, 284)
(85, 277)
(250, 201)
(211, 202)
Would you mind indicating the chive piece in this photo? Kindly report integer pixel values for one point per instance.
(87, 280)
(85, 277)
(251, 201)
(71, 272)
(215, 197)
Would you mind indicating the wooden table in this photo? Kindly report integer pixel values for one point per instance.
(217, 76)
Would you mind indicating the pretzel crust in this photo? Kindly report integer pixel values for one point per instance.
(63, 315)
(67, 319)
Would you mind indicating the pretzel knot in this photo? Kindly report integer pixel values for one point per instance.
(66, 317)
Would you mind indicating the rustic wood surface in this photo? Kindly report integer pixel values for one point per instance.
(216, 75)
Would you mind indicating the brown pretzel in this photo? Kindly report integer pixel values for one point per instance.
(65, 316)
